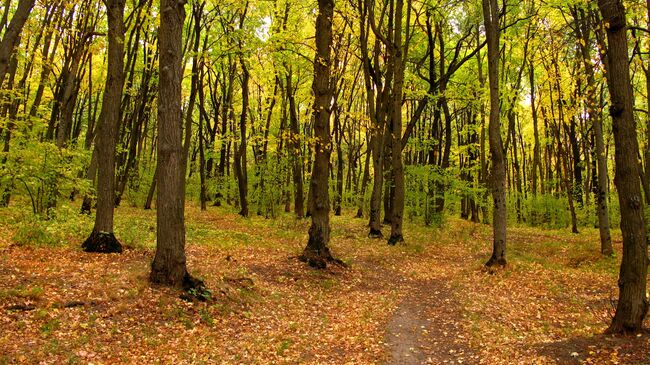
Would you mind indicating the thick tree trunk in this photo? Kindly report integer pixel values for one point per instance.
(498, 173)
(632, 304)
(102, 239)
(317, 253)
(169, 264)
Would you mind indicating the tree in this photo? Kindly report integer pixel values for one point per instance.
(498, 174)
(398, 56)
(102, 238)
(169, 265)
(583, 31)
(317, 253)
(12, 35)
(632, 304)
(240, 165)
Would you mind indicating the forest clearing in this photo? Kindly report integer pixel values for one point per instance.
(550, 305)
(324, 182)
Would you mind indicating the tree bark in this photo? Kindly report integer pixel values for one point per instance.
(498, 173)
(601, 190)
(240, 155)
(12, 34)
(399, 55)
(296, 154)
(536, 148)
(102, 239)
(169, 264)
(317, 253)
(632, 302)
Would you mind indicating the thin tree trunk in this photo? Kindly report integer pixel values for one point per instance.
(240, 155)
(152, 190)
(364, 184)
(601, 189)
(498, 173)
(536, 148)
(296, 154)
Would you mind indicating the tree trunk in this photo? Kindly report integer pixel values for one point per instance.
(498, 173)
(152, 190)
(632, 302)
(9, 113)
(364, 184)
(399, 56)
(338, 199)
(101, 238)
(240, 154)
(296, 154)
(169, 264)
(583, 28)
(317, 253)
(536, 148)
(12, 34)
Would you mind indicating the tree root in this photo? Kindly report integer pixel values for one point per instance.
(493, 261)
(375, 233)
(395, 239)
(194, 289)
(102, 242)
(320, 259)
(20, 307)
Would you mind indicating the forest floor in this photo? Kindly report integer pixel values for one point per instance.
(427, 301)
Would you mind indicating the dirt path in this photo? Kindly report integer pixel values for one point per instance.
(426, 328)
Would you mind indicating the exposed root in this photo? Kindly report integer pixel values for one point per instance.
(375, 233)
(494, 261)
(21, 307)
(320, 259)
(395, 239)
(617, 328)
(194, 289)
(102, 242)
